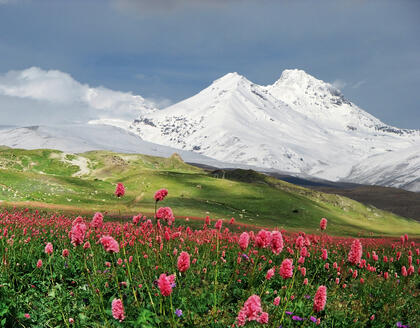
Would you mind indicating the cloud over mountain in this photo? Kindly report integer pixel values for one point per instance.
(34, 92)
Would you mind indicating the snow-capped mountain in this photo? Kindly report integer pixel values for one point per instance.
(299, 124)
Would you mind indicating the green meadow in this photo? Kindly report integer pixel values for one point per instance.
(85, 183)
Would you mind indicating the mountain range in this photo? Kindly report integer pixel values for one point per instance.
(299, 124)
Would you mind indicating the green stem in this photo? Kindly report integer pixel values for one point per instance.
(52, 279)
(144, 280)
(215, 276)
(172, 311)
(129, 273)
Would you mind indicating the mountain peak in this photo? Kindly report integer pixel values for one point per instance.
(297, 77)
(301, 82)
(231, 80)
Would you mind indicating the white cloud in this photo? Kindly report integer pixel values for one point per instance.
(59, 92)
(339, 84)
(358, 84)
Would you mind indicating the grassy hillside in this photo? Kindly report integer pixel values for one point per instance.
(86, 182)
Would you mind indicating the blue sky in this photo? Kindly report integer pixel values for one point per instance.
(168, 50)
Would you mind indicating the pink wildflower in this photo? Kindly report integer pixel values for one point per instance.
(300, 242)
(119, 190)
(49, 249)
(270, 274)
(355, 254)
(263, 238)
(276, 301)
(263, 318)
(286, 268)
(165, 284)
(320, 299)
(39, 263)
(77, 233)
(244, 240)
(323, 224)
(109, 244)
(118, 309)
(251, 311)
(276, 242)
(97, 220)
(183, 262)
(137, 218)
(65, 252)
(165, 213)
(218, 224)
(160, 194)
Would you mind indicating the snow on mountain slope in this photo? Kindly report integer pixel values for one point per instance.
(299, 125)
(393, 169)
(84, 137)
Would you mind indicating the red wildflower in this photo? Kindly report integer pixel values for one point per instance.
(320, 299)
(65, 252)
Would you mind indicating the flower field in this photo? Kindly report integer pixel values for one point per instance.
(59, 271)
